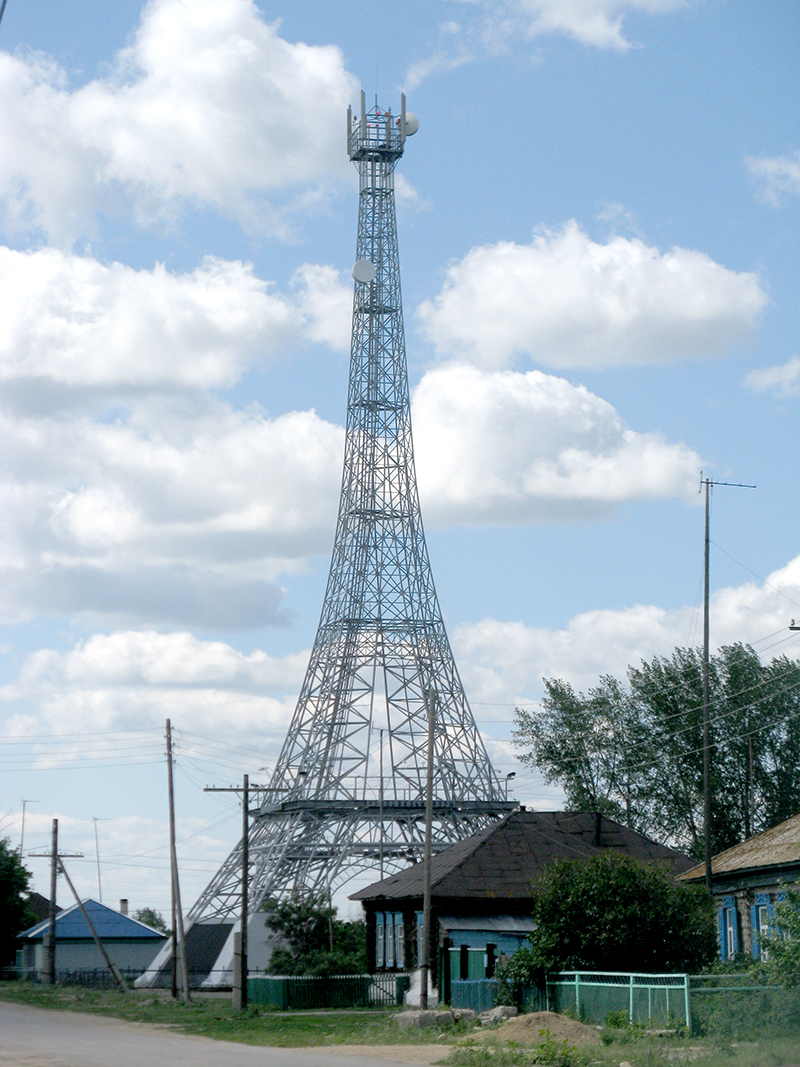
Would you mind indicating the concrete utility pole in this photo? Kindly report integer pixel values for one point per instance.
(177, 910)
(708, 482)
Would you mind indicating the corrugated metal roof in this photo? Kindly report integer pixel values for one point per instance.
(780, 845)
(503, 860)
(109, 924)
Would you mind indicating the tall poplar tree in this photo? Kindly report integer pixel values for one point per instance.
(635, 751)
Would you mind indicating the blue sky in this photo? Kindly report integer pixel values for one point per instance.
(598, 235)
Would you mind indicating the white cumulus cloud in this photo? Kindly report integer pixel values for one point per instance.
(591, 22)
(783, 380)
(510, 447)
(136, 679)
(775, 176)
(73, 324)
(172, 513)
(207, 106)
(188, 512)
(505, 661)
(496, 27)
(325, 298)
(568, 301)
(77, 322)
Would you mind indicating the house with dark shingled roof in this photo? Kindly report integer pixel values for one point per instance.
(482, 889)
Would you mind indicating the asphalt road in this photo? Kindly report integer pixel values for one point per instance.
(37, 1037)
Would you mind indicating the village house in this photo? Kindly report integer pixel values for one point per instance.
(129, 943)
(747, 881)
(482, 890)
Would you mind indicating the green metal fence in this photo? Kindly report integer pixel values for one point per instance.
(338, 991)
(646, 999)
(482, 994)
(743, 1006)
(479, 994)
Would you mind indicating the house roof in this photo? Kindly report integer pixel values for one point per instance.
(110, 925)
(501, 924)
(771, 848)
(39, 905)
(502, 860)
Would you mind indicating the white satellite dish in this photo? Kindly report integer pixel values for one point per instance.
(363, 271)
(412, 123)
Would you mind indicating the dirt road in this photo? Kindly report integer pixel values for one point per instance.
(36, 1037)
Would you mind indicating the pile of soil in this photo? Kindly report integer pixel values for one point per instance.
(526, 1030)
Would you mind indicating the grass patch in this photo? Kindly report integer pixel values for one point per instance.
(640, 1051)
(213, 1016)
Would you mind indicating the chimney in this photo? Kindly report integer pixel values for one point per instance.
(596, 836)
(123, 906)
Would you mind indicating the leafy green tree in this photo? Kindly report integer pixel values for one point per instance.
(152, 918)
(15, 915)
(595, 746)
(635, 751)
(613, 913)
(317, 942)
(783, 943)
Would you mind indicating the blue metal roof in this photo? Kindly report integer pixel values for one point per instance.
(109, 924)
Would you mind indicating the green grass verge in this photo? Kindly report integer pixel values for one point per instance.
(644, 1052)
(213, 1017)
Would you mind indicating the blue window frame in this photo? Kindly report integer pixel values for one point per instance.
(389, 939)
(728, 929)
(400, 943)
(380, 939)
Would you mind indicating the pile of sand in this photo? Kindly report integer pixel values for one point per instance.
(526, 1030)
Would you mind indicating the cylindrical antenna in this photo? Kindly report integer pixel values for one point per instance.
(363, 116)
(402, 118)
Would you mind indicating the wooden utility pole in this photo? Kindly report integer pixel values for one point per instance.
(25, 803)
(178, 941)
(49, 939)
(50, 952)
(380, 799)
(245, 867)
(109, 962)
(425, 962)
(708, 482)
(240, 964)
(95, 820)
(706, 723)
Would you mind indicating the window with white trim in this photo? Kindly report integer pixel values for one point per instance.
(380, 939)
(399, 935)
(728, 928)
(389, 940)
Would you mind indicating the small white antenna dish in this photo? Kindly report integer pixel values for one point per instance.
(363, 271)
(412, 123)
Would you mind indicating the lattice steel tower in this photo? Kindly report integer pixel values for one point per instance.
(348, 791)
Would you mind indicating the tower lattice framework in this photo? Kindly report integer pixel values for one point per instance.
(348, 790)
